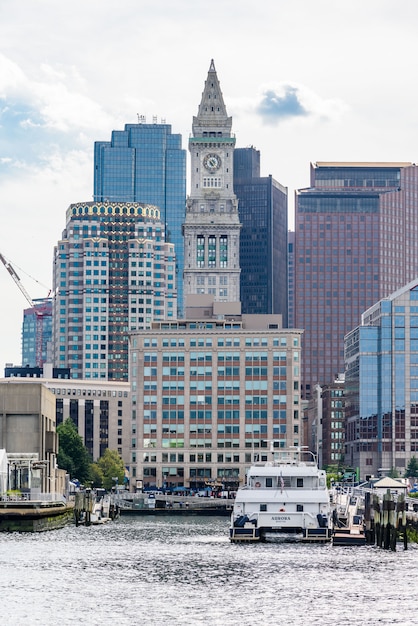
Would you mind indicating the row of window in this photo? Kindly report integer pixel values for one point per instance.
(89, 392)
(208, 341)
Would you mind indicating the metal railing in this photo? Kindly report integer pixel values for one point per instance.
(32, 497)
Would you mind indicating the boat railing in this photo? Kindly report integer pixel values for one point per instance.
(297, 455)
(283, 461)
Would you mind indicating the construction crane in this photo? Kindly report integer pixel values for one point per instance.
(39, 310)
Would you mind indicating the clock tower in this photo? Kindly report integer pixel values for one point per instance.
(211, 228)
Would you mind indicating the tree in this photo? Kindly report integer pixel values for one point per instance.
(72, 454)
(412, 468)
(393, 473)
(96, 475)
(111, 466)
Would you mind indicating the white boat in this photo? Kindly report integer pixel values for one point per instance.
(348, 517)
(100, 513)
(286, 497)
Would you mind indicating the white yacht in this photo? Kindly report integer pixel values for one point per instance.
(287, 496)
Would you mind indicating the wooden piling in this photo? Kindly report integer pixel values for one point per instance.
(378, 520)
(83, 507)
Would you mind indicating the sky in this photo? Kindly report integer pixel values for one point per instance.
(304, 81)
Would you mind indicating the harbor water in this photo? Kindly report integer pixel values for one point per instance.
(184, 571)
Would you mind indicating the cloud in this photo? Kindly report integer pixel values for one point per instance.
(283, 102)
(11, 77)
(50, 114)
(275, 106)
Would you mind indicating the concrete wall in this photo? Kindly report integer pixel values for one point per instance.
(27, 424)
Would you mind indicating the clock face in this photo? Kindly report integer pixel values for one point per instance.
(212, 162)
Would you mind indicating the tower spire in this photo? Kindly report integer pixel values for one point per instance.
(211, 227)
(212, 110)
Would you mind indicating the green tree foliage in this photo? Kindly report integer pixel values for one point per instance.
(72, 454)
(110, 466)
(96, 475)
(393, 473)
(412, 468)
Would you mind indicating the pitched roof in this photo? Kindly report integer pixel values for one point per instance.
(389, 483)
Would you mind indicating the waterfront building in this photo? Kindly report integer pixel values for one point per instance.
(355, 242)
(113, 273)
(262, 210)
(146, 163)
(28, 435)
(37, 333)
(99, 409)
(381, 357)
(207, 394)
(212, 228)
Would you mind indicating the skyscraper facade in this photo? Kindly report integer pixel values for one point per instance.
(37, 332)
(146, 163)
(262, 209)
(291, 279)
(355, 242)
(113, 273)
(381, 358)
(211, 227)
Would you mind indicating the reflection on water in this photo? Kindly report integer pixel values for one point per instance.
(178, 571)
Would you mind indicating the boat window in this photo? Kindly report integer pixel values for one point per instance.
(299, 507)
(269, 482)
(263, 507)
(299, 482)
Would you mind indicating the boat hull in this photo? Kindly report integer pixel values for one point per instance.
(347, 538)
(307, 535)
(300, 526)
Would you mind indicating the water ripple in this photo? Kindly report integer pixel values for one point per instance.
(184, 571)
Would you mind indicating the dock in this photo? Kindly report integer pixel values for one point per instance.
(34, 515)
(150, 504)
(385, 517)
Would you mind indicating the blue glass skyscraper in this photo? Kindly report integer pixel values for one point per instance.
(381, 379)
(146, 163)
(262, 209)
(36, 332)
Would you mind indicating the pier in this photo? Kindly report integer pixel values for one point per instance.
(384, 516)
(40, 512)
(160, 504)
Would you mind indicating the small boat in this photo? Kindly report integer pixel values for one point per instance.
(348, 519)
(93, 507)
(351, 535)
(100, 513)
(286, 497)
